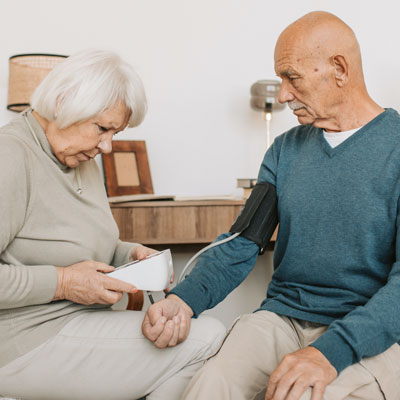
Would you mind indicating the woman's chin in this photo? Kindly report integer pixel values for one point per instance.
(71, 162)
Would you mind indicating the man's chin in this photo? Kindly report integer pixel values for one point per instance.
(305, 120)
(303, 116)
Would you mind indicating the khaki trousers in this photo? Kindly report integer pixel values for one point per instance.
(256, 344)
(103, 355)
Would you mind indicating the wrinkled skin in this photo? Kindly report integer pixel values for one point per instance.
(86, 282)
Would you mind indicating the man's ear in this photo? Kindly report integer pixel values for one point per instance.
(341, 70)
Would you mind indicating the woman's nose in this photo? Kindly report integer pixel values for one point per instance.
(105, 146)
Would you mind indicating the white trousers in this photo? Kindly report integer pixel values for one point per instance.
(104, 355)
(257, 343)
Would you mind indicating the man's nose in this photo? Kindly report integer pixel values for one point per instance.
(285, 94)
(105, 146)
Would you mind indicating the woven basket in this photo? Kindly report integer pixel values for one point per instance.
(26, 72)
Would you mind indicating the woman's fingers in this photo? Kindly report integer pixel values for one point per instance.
(141, 252)
(87, 283)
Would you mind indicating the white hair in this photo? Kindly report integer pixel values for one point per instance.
(85, 85)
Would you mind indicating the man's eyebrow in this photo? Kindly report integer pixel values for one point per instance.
(288, 73)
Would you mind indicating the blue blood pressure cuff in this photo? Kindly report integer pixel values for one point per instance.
(259, 216)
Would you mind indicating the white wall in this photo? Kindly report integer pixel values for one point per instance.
(198, 60)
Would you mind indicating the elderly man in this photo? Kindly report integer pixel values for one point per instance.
(329, 326)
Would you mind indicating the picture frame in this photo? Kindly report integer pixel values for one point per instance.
(126, 169)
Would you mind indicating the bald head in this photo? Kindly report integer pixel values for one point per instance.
(319, 61)
(322, 36)
(322, 25)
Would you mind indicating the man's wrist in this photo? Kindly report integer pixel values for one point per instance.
(174, 297)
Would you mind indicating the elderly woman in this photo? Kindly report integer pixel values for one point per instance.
(59, 338)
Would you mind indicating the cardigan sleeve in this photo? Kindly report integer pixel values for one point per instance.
(20, 285)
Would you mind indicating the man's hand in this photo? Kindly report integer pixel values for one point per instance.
(297, 372)
(167, 322)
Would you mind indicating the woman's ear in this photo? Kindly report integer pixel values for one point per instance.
(341, 70)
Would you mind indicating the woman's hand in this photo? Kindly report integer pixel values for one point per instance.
(141, 252)
(86, 283)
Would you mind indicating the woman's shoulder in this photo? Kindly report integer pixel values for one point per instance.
(15, 149)
(15, 137)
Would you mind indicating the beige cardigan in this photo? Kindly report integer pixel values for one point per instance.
(44, 223)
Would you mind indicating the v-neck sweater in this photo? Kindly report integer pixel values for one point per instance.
(336, 256)
(45, 223)
(336, 138)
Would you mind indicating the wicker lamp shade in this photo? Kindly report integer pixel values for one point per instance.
(26, 71)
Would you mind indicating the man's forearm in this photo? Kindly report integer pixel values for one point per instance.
(218, 271)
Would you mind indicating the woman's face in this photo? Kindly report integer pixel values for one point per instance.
(82, 141)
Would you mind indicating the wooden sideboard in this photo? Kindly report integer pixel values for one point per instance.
(175, 222)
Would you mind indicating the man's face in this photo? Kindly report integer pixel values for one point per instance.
(307, 82)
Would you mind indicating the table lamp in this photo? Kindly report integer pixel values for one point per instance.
(264, 97)
(26, 71)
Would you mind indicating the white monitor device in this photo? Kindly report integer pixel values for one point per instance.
(152, 273)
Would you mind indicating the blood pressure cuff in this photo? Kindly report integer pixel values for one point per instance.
(259, 216)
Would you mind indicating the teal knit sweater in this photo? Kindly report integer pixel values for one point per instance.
(335, 256)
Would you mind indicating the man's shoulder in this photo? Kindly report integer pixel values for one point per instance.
(384, 129)
(390, 118)
(392, 113)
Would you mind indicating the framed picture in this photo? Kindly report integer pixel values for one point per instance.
(126, 169)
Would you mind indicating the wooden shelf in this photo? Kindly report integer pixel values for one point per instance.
(175, 222)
